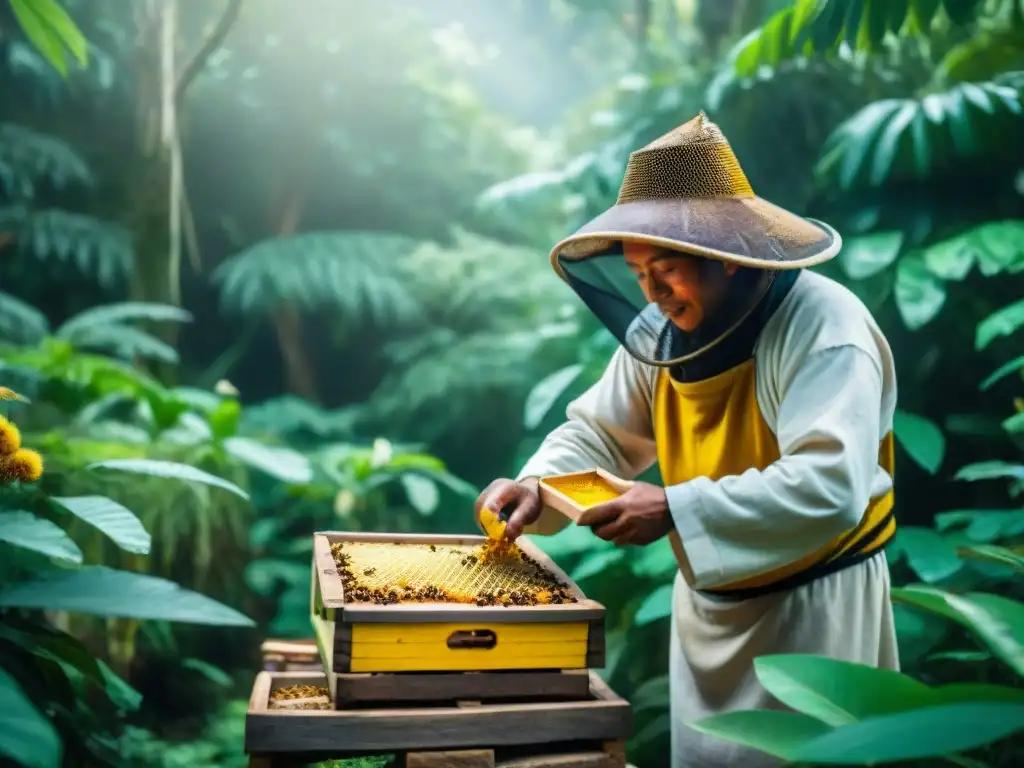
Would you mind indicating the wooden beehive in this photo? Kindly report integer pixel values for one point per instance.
(574, 493)
(358, 636)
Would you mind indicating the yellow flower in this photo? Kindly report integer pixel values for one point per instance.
(10, 437)
(24, 464)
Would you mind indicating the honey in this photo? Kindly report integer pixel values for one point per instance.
(586, 490)
(495, 573)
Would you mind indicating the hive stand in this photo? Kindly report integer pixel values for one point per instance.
(469, 734)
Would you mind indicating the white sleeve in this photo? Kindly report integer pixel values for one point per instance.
(608, 426)
(829, 429)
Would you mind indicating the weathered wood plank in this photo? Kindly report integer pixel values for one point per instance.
(475, 758)
(449, 686)
(603, 717)
(596, 648)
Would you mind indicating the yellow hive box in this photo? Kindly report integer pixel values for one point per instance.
(386, 603)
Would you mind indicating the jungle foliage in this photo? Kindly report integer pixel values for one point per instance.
(234, 311)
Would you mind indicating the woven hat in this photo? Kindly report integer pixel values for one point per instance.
(685, 192)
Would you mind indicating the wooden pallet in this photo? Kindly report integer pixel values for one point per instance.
(549, 729)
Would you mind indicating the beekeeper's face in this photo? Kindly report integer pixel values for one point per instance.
(685, 287)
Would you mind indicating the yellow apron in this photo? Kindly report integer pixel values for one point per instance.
(714, 428)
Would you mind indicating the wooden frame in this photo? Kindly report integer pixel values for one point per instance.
(604, 716)
(550, 496)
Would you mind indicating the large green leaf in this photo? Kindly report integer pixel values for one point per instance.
(279, 462)
(983, 525)
(990, 470)
(655, 561)
(657, 605)
(916, 734)
(110, 518)
(997, 621)
(931, 556)
(1007, 369)
(595, 563)
(25, 530)
(546, 393)
(421, 491)
(49, 28)
(919, 293)
(103, 591)
(997, 555)
(771, 731)
(921, 438)
(26, 735)
(866, 255)
(1002, 322)
(896, 139)
(169, 469)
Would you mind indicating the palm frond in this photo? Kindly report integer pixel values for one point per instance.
(116, 314)
(125, 342)
(20, 322)
(31, 157)
(93, 246)
(354, 273)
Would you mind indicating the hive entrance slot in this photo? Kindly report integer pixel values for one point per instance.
(483, 639)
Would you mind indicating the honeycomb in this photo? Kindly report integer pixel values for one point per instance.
(495, 573)
(300, 697)
(585, 490)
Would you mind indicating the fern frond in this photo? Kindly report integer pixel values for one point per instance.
(20, 322)
(351, 272)
(125, 342)
(288, 416)
(95, 246)
(116, 314)
(35, 157)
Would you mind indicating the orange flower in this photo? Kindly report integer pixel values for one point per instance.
(24, 464)
(10, 437)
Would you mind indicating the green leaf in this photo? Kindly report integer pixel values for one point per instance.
(546, 393)
(838, 692)
(917, 734)
(125, 698)
(1007, 369)
(422, 492)
(102, 591)
(654, 693)
(932, 557)
(1000, 246)
(66, 31)
(21, 322)
(39, 34)
(922, 439)
(774, 732)
(657, 605)
(282, 463)
(997, 621)
(1003, 322)
(655, 561)
(168, 469)
(215, 675)
(996, 555)
(26, 736)
(117, 522)
(950, 259)
(224, 418)
(983, 525)
(25, 530)
(864, 256)
(118, 314)
(595, 563)
(919, 294)
(990, 470)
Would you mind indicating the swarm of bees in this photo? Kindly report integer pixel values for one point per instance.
(497, 573)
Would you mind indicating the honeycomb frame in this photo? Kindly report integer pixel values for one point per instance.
(332, 592)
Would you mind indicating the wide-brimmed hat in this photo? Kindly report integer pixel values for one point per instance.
(685, 192)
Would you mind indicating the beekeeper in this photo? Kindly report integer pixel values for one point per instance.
(765, 392)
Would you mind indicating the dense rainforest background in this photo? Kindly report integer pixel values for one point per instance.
(270, 267)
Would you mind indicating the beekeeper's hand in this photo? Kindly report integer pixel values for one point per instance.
(520, 500)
